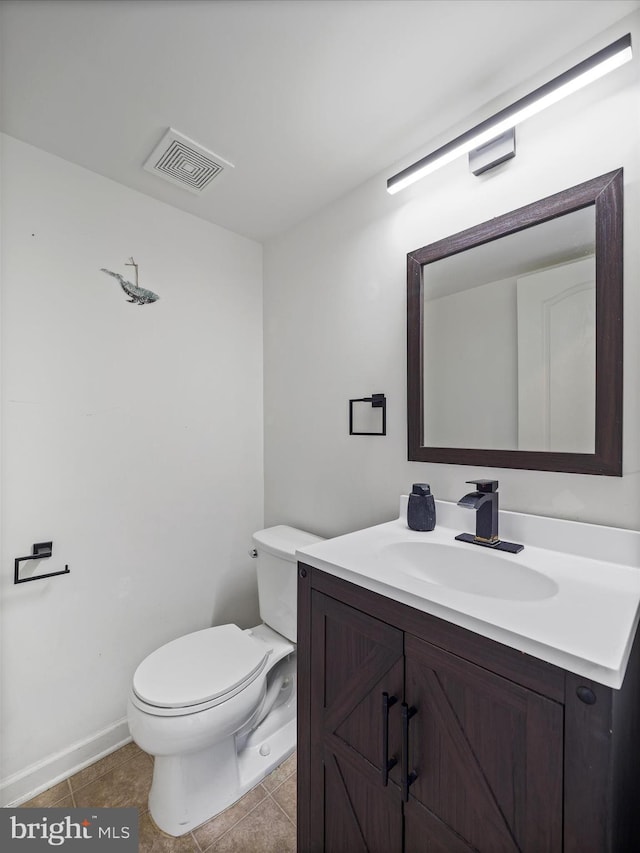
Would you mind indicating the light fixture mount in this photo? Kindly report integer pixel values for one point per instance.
(494, 152)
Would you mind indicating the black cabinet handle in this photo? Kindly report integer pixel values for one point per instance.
(407, 778)
(387, 763)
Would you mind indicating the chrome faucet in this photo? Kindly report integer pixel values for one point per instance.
(485, 502)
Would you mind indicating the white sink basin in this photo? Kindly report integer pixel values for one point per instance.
(476, 572)
(571, 597)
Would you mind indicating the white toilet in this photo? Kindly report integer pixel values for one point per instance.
(217, 708)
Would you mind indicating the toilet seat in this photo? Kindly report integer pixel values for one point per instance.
(198, 671)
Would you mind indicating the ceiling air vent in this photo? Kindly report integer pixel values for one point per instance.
(183, 162)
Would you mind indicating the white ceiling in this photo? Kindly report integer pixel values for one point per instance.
(308, 98)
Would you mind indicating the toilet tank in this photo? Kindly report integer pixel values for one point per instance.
(278, 576)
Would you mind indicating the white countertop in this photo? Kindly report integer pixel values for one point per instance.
(587, 626)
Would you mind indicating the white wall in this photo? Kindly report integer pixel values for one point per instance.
(335, 317)
(132, 439)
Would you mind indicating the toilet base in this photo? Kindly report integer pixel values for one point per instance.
(184, 789)
(189, 789)
(185, 794)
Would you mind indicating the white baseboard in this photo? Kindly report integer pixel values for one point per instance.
(37, 778)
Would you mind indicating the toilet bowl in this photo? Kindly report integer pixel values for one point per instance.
(217, 707)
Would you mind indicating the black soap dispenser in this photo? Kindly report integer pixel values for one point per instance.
(421, 512)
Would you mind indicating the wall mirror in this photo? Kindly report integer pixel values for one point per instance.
(514, 333)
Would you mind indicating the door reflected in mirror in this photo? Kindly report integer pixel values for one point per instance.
(515, 338)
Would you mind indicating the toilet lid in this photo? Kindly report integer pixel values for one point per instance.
(200, 667)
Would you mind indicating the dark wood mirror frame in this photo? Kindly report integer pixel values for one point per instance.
(606, 194)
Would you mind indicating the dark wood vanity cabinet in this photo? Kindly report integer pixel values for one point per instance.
(487, 756)
(486, 749)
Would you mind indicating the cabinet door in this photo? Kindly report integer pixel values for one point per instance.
(487, 754)
(355, 659)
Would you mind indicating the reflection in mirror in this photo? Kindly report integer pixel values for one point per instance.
(509, 341)
(515, 337)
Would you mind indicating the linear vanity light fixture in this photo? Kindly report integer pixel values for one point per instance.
(570, 81)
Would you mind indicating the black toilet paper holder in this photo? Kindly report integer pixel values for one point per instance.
(40, 551)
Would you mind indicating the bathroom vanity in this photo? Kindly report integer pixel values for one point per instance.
(476, 715)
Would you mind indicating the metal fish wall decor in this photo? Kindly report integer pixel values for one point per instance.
(136, 294)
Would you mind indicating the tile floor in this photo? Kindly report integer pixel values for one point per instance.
(263, 821)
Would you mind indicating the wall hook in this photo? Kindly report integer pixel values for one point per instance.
(40, 551)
